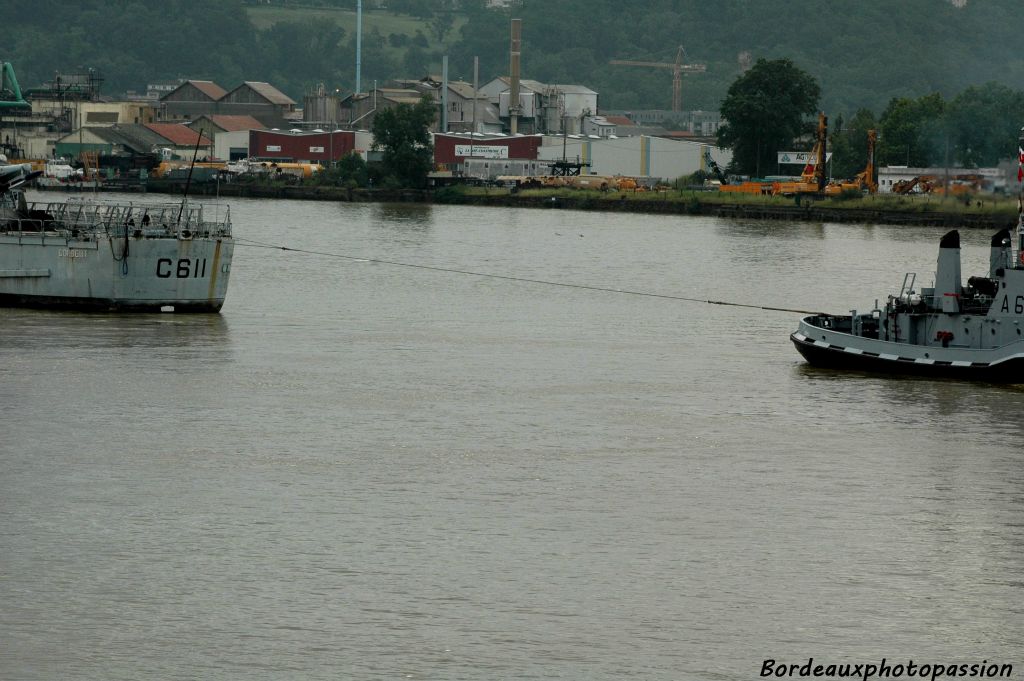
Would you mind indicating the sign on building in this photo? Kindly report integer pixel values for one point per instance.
(801, 157)
(481, 150)
(273, 147)
(316, 150)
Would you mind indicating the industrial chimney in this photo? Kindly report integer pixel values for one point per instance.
(513, 93)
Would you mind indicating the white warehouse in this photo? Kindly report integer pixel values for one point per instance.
(641, 156)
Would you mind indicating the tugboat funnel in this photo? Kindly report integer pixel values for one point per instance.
(999, 255)
(947, 274)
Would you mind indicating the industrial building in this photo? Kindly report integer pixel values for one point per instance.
(359, 108)
(56, 108)
(698, 123)
(301, 146)
(451, 150)
(488, 156)
(646, 157)
(152, 141)
(195, 98)
(543, 108)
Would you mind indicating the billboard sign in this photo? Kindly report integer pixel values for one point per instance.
(481, 150)
(800, 157)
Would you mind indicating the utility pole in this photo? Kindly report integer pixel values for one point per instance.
(476, 80)
(359, 43)
(444, 94)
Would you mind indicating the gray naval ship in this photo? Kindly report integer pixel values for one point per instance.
(949, 330)
(81, 254)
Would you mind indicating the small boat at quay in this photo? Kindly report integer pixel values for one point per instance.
(91, 255)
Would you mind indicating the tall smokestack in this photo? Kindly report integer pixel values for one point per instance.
(947, 273)
(1000, 252)
(513, 93)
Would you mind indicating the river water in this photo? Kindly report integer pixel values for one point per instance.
(367, 471)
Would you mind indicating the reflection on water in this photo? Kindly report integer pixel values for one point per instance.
(770, 229)
(40, 328)
(932, 402)
(403, 214)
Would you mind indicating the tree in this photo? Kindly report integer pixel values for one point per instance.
(422, 9)
(349, 171)
(913, 132)
(441, 24)
(983, 123)
(403, 135)
(304, 52)
(849, 143)
(765, 110)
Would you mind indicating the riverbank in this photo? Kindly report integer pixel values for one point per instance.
(984, 213)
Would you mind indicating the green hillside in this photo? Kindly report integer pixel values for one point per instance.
(863, 54)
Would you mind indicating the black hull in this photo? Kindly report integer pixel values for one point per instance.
(107, 305)
(1009, 371)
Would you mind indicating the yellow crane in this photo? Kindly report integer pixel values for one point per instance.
(865, 179)
(678, 69)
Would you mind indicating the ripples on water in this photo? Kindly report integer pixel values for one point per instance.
(365, 471)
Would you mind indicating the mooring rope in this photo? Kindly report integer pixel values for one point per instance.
(546, 282)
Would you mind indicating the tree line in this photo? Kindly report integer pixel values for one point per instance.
(774, 104)
(861, 58)
(913, 75)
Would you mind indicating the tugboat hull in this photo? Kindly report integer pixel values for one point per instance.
(823, 347)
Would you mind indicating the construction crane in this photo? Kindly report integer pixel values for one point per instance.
(865, 180)
(710, 163)
(678, 69)
(812, 179)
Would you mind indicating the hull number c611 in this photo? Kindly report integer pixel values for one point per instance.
(182, 269)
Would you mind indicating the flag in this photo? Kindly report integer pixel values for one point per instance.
(1020, 151)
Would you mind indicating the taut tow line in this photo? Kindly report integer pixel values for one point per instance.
(646, 294)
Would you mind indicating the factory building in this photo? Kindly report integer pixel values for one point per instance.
(642, 156)
(195, 98)
(300, 146)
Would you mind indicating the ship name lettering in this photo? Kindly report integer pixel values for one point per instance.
(71, 253)
(184, 268)
(1018, 304)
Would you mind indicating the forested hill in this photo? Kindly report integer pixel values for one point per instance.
(862, 53)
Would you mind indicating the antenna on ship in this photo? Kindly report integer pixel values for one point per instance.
(188, 180)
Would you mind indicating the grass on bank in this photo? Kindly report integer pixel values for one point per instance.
(978, 205)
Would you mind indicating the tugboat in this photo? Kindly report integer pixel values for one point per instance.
(86, 255)
(971, 332)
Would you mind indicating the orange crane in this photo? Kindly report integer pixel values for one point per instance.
(813, 179)
(678, 69)
(865, 180)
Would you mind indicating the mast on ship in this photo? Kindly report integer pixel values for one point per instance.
(1020, 197)
(188, 181)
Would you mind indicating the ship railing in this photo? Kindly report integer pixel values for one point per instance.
(140, 219)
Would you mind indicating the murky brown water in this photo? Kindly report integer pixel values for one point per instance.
(367, 471)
